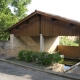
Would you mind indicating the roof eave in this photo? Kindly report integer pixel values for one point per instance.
(44, 14)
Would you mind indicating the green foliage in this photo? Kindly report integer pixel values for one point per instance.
(65, 41)
(9, 17)
(5, 22)
(43, 58)
(56, 57)
(28, 56)
(21, 55)
(46, 59)
(34, 56)
(40, 57)
(19, 7)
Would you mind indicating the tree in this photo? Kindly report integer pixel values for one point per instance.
(11, 11)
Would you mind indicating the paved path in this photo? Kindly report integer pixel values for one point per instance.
(12, 72)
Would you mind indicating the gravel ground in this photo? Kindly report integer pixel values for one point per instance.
(12, 72)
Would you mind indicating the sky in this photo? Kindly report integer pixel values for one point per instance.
(65, 8)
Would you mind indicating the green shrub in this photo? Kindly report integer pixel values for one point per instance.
(34, 56)
(43, 58)
(47, 60)
(28, 57)
(56, 57)
(21, 55)
(40, 57)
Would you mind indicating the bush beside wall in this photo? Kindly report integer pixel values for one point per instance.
(43, 58)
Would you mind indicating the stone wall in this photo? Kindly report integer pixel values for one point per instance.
(33, 43)
(23, 42)
(18, 43)
(5, 47)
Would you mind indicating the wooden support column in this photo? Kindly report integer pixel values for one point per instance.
(41, 43)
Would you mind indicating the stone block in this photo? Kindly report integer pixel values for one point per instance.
(58, 67)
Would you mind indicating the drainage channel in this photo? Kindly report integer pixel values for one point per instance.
(70, 63)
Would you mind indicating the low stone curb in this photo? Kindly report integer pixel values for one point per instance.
(50, 72)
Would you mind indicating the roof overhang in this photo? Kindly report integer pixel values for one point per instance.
(45, 14)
